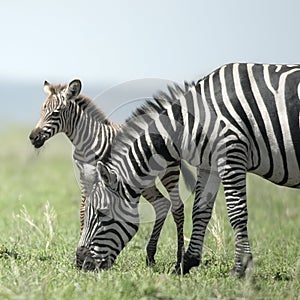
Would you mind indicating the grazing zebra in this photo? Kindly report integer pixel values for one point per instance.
(91, 133)
(240, 118)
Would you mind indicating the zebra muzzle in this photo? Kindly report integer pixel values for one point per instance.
(84, 259)
(37, 137)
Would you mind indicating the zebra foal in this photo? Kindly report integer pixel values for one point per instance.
(86, 126)
(240, 118)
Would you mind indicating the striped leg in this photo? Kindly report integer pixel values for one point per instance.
(80, 168)
(161, 207)
(88, 175)
(206, 192)
(171, 182)
(234, 181)
(83, 197)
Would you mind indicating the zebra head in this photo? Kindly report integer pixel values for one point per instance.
(54, 113)
(109, 222)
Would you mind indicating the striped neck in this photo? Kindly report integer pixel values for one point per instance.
(84, 123)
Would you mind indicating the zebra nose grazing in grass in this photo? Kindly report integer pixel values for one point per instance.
(84, 259)
(86, 262)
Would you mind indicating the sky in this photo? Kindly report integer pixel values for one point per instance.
(106, 43)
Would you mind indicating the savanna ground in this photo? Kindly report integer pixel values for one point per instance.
(39, 225)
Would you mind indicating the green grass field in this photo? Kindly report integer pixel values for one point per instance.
(39, 226)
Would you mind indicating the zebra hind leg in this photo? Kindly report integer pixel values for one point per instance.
(161, 207)
(235, 194)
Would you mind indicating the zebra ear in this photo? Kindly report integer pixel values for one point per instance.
(47, 89)
(109, 176)
(73, 89)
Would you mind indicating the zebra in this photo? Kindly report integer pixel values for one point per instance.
(89, 130)
(240, 118)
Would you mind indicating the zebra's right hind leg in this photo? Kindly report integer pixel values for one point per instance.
(161, 207)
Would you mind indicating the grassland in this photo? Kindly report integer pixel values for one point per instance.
(39, 226)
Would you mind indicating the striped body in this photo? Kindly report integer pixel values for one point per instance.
(91, 133)
(240, 118)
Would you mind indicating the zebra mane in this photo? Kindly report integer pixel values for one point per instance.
(161, 102)
(142, 115)
(89, 107)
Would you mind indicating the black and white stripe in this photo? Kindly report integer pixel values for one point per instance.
(91, 133)
(240, 118)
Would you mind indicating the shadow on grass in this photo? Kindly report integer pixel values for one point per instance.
(5, 253)
(211, 266)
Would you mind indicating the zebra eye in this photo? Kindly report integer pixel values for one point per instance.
(55, 113)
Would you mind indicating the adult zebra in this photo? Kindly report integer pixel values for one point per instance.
(66, 110)
(240, 118)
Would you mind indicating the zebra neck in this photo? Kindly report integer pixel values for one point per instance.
(89, 131)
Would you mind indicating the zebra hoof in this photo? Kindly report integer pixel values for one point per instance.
(189, 262)
(150, 261)
(237, 273)
(241, 271)
(177, 270)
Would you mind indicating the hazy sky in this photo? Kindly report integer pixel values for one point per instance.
(107, 43)
(118, 40)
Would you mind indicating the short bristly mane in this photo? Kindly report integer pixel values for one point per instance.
(161, 101)
(147, 112)
(87, 105)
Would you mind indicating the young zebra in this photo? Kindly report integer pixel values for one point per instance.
(66, 110)
(240, 118)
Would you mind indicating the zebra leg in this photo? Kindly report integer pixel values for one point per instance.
(178, 216)
(82, 212)
(206, 191)
(88, 176)
(80, 167)
(161, 207)
(235, 194)
(171, 182)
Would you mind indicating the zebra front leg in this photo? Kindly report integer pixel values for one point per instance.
(235, 194)
(161, 207)
(81, 213)
(206, 191)
(171, 182)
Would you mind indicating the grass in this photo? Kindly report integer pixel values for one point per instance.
(39, 225)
